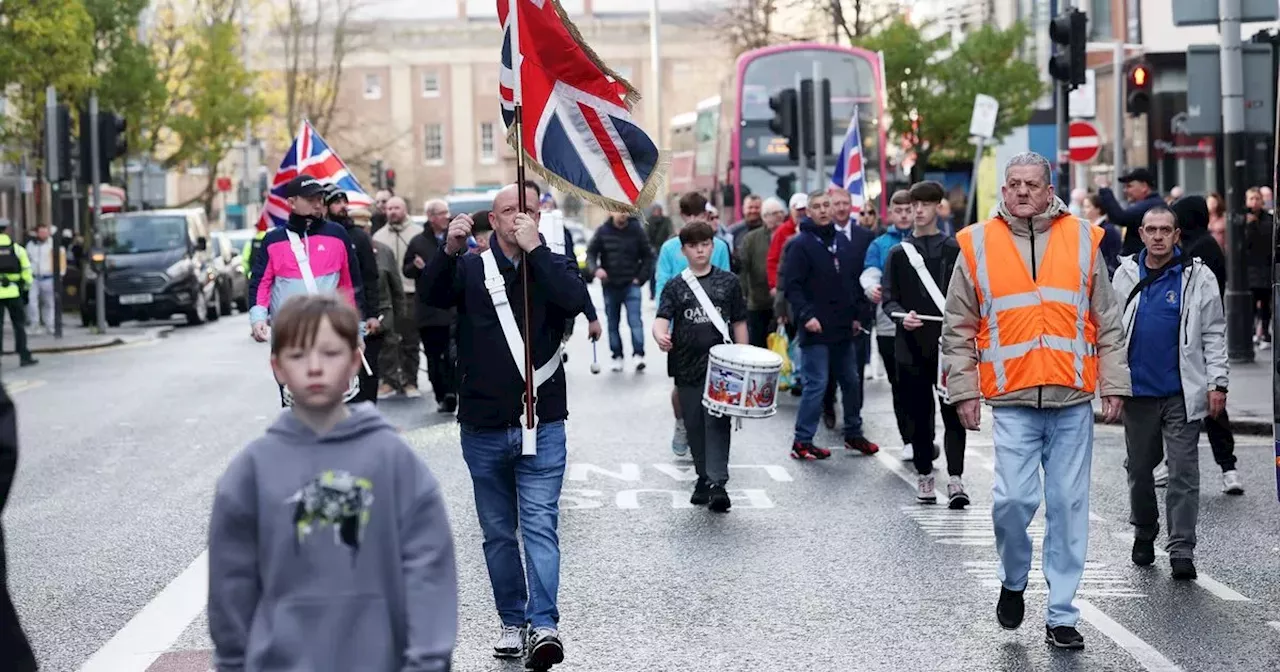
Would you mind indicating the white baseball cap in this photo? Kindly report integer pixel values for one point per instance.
(799, 201)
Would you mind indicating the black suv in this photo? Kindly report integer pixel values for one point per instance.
(158, 264)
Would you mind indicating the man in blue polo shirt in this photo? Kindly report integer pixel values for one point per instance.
(1177, 346)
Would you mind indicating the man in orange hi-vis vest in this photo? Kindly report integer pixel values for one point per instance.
(1033, 327)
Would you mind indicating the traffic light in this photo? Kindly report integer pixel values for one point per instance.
(1070, 31)
(1138, 87)
(377, 174)
(113, 143)
(390, 181)
(783, 124)
(62, 138)
(806, 117)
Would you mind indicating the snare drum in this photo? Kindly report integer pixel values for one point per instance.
(742, 381)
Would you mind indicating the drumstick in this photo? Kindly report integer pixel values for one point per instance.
(924, 318)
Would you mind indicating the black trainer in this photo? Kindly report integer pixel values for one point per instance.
(1063, 637)
(1010, 608)
(720, 501)
(1144, 552)
(701, 492)
(545, 650)
(1183, 569)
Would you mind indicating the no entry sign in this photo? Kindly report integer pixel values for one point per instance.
(1082, 142)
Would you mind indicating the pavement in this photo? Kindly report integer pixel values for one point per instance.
(1249, 399)
(75, 337)
(820, 566)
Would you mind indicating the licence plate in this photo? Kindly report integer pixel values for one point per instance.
(135, 299)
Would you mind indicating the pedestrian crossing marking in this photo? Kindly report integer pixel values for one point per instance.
(17, 386)
(1097, 580)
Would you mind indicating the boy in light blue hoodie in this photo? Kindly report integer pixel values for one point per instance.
(329, 544)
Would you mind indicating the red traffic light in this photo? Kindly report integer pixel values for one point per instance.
(391, 174)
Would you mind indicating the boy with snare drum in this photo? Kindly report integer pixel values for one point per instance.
(699, 310)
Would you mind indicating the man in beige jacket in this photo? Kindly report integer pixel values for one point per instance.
(1037, 340)
(399, 357)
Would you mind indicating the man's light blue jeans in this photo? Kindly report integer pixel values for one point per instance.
(1059, 440)
(817, 362)
(513, 492)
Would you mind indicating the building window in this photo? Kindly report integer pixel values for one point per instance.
(1100, 27)
(488, 149)
(433, 142)
(624, 71)
(372, 87)
(430, 85)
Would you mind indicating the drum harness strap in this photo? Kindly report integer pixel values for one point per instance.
(709, 308)
(705, 301)
(497, 286)
(931, 287)
(299, 247)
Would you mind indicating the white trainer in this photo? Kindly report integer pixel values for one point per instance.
(510, 643)
(924, 489)
(1231, 484)
(1161, 474)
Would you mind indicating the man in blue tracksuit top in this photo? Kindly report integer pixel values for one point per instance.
(517, 485)
(821, 273)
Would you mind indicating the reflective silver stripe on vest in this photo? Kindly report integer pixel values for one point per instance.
(996, 353)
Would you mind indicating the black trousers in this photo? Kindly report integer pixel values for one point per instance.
(916, 382)
(900, 410)
(369, 383)
(18, 315)
(15, 651)
(760, 324)
(1262, 310)
(1221, 440)
(442, 362)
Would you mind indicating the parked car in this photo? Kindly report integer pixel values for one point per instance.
(580, 241)
(234, 290)
(157, 263)
(239, 239)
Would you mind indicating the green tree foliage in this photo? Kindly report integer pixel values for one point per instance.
(42, 43)
(932, 83)
(127, 81)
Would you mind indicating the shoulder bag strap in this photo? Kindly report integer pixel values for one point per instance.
(917, 262)
(304, 263)
(705, 301)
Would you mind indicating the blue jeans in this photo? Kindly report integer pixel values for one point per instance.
(514, 491)
(1059, 440)
(817, 362)
(614, 298)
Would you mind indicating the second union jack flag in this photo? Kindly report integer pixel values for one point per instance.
(310, 155)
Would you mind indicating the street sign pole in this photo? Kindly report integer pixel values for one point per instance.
(982, 127)
(95, 154)
(802, 175)
(819, 142)
(1117, 129)
(1063, 186)
(1238, 299)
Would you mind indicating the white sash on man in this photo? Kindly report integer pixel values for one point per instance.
(299, 247)
(705, 301)
(497, 286)
(931, 287)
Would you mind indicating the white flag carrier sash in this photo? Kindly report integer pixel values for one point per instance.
(917, 262)
(705, 301)
(497, 286)
(299, 248)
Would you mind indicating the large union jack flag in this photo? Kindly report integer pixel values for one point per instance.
(310, 155)
(848, 171)
(579, 133)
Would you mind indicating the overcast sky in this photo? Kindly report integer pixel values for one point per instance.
(429, 9)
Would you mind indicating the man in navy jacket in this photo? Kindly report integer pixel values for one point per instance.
(843, 221)
(821, 271)
(514, 491)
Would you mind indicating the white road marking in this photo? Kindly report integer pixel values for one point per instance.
(1215, 587)
(153, 631)
(20, 386)
(1141, 651)
(1145, 654)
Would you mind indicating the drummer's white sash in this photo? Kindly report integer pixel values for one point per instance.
(931, 287)
(709, 308)
(497, 286)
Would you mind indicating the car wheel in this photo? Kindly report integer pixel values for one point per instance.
(113, 321)
(242, 304)
(214, 306)
(224, 301)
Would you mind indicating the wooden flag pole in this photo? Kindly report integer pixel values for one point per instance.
(513, 15)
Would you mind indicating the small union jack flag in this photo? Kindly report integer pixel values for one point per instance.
(848, 171)
(578, 130)
(310, 155)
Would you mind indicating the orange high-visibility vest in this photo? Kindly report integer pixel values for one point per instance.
(1034, 331)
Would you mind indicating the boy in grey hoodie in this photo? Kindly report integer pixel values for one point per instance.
(329, 545)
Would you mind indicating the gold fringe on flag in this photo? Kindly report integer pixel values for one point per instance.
(633, 96)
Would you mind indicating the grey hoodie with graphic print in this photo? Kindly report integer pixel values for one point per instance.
(331, 553)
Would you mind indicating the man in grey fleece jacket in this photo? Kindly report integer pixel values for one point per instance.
(331, 553)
